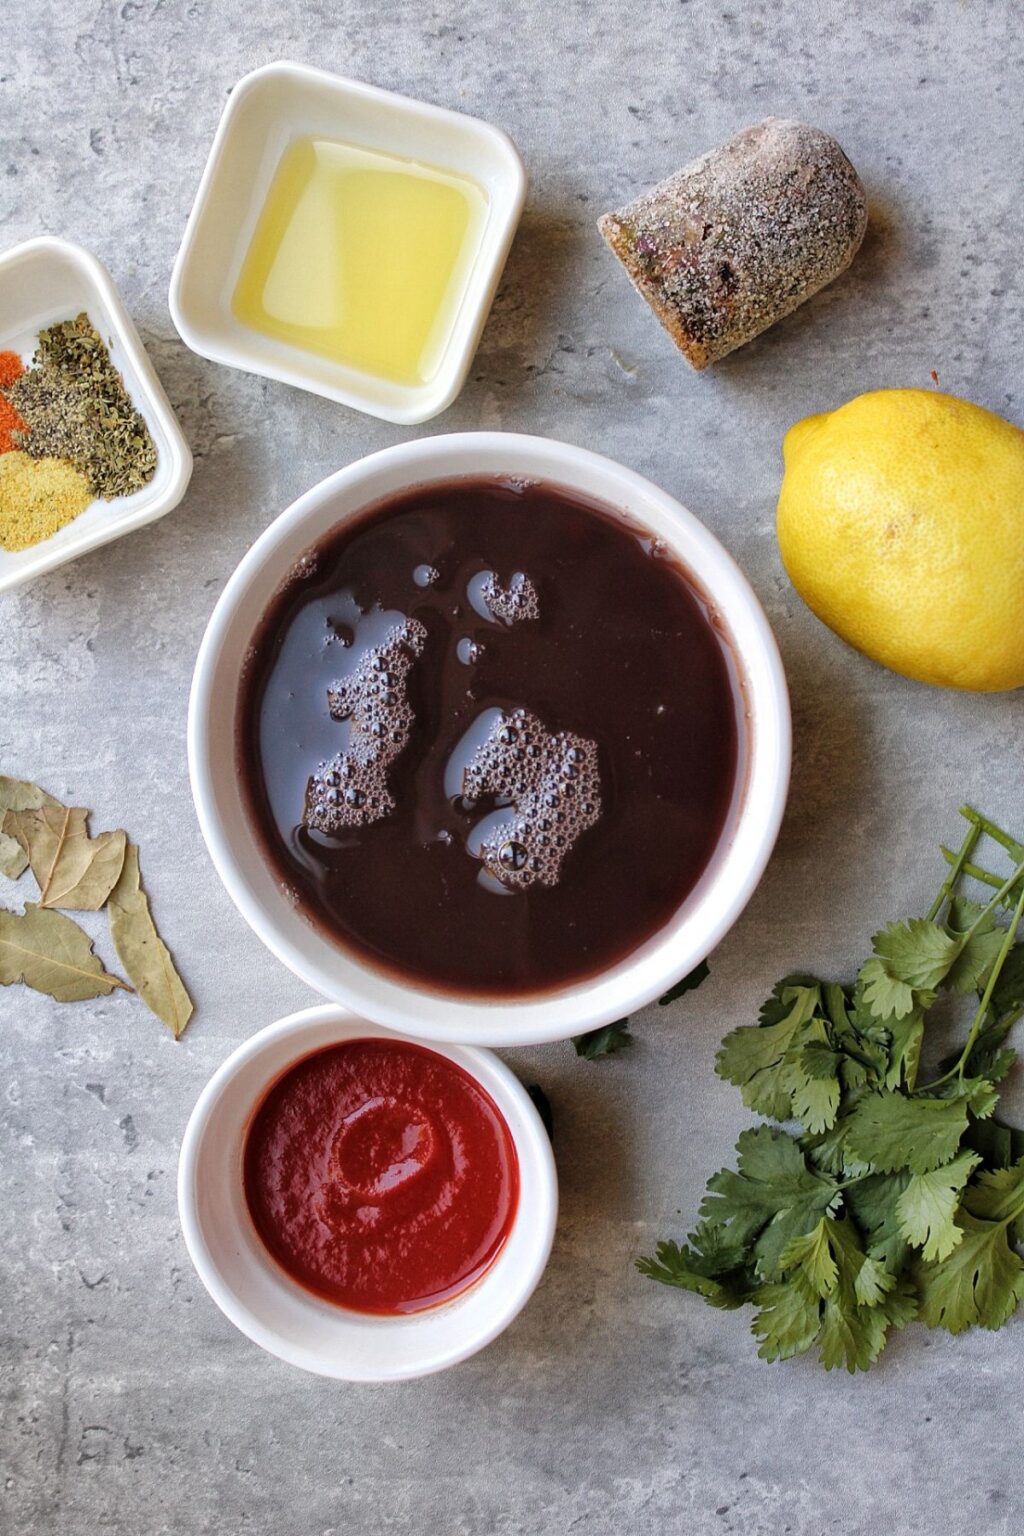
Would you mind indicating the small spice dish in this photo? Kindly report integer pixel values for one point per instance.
(42, 282)
(270, 112)
(295, 1324)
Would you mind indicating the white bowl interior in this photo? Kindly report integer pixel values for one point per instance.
(712, 906)
(42, 282)
(274, 1311)
(267, 111)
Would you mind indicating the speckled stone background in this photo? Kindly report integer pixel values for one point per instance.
(611, 1406)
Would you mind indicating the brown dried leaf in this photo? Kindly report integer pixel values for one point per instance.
(143, 953)
(51, 954)
(71, 868)
(18, 795)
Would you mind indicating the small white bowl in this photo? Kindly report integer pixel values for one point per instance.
(734, 869)
(46, 280)
(266, 111)
(274, 1311)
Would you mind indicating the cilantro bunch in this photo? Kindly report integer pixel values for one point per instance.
(882, 1200)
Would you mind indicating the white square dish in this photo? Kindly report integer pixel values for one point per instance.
(267, 111)
(42, 282)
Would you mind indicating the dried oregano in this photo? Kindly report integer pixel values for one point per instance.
(75, 407)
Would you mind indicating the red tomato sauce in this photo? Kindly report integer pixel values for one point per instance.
(381, 1176)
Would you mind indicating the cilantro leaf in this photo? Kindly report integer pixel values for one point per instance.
(999, 1196)
(980, 951)
(910, 961)
(869, 1028)
(851, 1336)
(604, 1041)
(829, 1153)
(901, 1304)
(755, 1057)
(874, 1203)
(980, 1282)
(890, 1131)
(987, 1058)
(981, 1095)
(999, 1145)
(787, 1321)
(926, 1208)
(906, 1036)
(852, 1333)
(776, 1007)
(810, 1258)
(918, 952)
(687, 984)
(887, 995)
(828, 1271)
(712, 1266)
(817, 1059)
(1008, 992)
(770, 1198)
(813, 1079)
(814, 1087)
(873, 1282)
(996, 1066)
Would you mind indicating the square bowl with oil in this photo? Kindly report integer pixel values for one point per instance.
(46, 281)
(347, 240)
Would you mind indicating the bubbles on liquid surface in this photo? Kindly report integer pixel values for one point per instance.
(426, 575)
(512, 856)
(374, 698)
(468, 651)
(514, 604)
(518, 849)
(341, 633)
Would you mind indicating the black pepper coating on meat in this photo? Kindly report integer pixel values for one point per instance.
(741, 237)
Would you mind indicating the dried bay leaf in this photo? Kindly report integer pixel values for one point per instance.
(18, 795)
(142, 952)
(51, 954)
(71, 868)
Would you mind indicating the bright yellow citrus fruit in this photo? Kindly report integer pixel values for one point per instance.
(901, 524)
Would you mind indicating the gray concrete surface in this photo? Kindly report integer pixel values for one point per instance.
(611, 1407)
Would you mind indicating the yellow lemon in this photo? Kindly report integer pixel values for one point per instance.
(901, 524)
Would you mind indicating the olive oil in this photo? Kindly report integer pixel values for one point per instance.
(361, 257)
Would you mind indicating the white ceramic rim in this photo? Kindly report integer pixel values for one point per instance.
(728, 882)
(355, 1346)
(423, 404)
(153, 404)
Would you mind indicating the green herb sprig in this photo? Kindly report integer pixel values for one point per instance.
(890, 1200)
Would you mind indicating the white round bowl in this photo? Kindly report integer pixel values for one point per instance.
(726, 884)
(283, 1317)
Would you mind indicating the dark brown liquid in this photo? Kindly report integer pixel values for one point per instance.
(618, 650)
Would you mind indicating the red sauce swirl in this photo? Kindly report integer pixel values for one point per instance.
(381, 1176)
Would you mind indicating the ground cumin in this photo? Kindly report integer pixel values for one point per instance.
(37, 497)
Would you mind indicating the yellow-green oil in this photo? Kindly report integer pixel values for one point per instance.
(361, 257)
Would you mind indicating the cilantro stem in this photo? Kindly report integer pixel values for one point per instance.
(856, 1179)
(986, 996)
(958, 862)
(1000, 895)
(974, 871)
(1013, 848)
